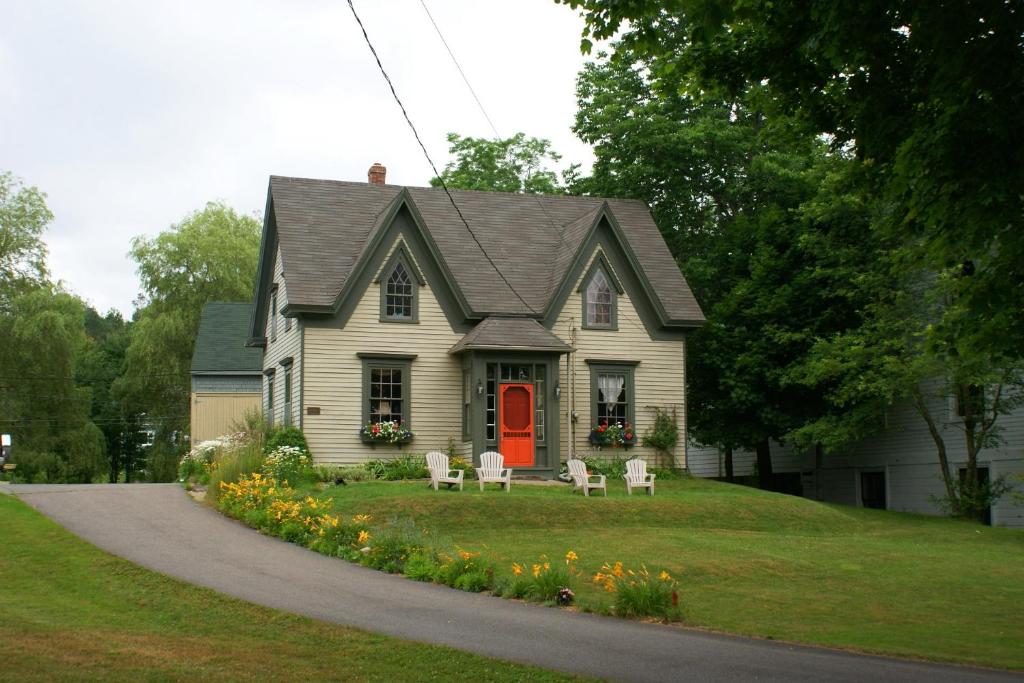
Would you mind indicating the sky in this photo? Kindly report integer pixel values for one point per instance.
(130, 115)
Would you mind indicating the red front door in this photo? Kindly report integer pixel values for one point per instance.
(516, 442)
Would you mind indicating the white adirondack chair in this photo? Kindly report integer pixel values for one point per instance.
(437, 465)
(636, 476)
(582, 480)
(492, 469)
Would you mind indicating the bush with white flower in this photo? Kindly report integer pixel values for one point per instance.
(287, 463)
(202, 459)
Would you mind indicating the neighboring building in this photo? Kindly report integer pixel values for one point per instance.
(226, 373)
(377, 303)
(896, 469)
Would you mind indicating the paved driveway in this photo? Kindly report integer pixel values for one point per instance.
(158, 526)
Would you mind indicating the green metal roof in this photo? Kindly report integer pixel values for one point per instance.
(220, 344)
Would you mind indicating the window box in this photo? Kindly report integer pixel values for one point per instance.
(386, 433)
(613, 437)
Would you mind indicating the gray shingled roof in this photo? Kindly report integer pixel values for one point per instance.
(510, 333)
(220, 343)
(324, 225)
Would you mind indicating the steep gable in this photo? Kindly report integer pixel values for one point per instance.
(514, 261)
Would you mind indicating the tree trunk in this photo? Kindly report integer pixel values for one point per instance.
(728, 464)
(819, 458)
(764, 465)
(970, 482)
(940, 446)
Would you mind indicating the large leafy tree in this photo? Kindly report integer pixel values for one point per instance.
(23, 219)
(42, 339)
(926, 92)
(515, 164)
(752, 206)
(209, 256)
(925, 96)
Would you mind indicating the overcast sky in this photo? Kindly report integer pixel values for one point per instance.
(131, 114)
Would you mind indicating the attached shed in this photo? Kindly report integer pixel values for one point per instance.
(226, 374)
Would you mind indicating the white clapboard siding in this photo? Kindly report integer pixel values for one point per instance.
(333, 381)
(905, 451)
(288, 343)
(660, 378)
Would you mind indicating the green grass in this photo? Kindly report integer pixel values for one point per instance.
(69, 611)
(755, 563)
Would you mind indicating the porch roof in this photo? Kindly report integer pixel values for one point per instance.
(510, 334)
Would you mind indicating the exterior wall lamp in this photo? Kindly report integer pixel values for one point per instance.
(479, 388)
(558, 391)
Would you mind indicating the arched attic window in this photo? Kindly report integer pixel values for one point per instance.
(398, 291)
(599, 299)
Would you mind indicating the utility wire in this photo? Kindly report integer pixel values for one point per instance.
(461, 72)
(497, 135)
(426, 154)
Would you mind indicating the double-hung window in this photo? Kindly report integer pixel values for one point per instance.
(612, 392)
(386, 390)
(270, 398)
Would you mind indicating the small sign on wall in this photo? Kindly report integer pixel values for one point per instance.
(312, 410)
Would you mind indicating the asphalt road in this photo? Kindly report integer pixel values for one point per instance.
(159, 527)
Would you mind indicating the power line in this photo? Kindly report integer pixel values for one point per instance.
(459, 67)
(497, 135)
(426, 154)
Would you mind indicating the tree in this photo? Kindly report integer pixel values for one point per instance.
(23, 219)
(923, 95)
(515, 164)
(99, 367)
(209, 256)
(42, 338)
(924, 92)
(755, 210)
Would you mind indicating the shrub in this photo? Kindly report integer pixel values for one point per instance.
(613, 468)
(664, 432)
(331, 473)
(421, 565)
(460, 463)
(393, 544)
(638, 593)
(544, 580)
(288, 463)
(233, 465)
(465, 571)
(406, 466)
(286, 436)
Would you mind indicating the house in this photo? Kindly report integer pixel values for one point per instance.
(479, 321)
(226, 373)
(895, 469)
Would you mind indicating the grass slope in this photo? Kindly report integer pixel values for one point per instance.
(756, 563)
(69, 611)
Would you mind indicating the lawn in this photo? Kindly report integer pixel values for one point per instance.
(69, 611)
(754, 563)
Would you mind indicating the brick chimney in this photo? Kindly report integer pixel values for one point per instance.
(376, 174)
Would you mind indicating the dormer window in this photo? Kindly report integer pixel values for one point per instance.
(398, 289)
(599, 300)
(399, 294)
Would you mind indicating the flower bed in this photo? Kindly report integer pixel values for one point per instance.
(402, 547)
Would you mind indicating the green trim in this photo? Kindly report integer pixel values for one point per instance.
(610, 361)
(402, 226)
(547, 454)
(265, 270)
(302, 373)
(270, 400)
(382, 354)
(405, 366)
(468, 391)
(603, 236)
(398, 256)
(273, 314)
(286, 361)
(596, 369)
(600, 264)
